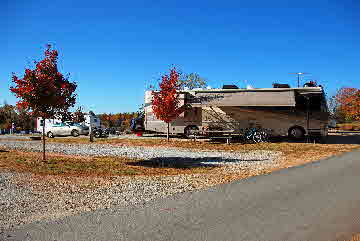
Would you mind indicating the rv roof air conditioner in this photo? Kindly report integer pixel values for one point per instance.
(230, 87)
(277, 85)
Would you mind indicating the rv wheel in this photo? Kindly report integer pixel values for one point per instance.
(189, 131)
(296, 133)
(50, 134)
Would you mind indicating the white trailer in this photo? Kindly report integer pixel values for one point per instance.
(48, 123)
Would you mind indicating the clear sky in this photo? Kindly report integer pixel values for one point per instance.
(114, 49)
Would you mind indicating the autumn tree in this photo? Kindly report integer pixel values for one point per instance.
(191, 81)
(106, 120)
(78, 116)
(166, 104)
(25, 121)
(346, 104)
(44, 90)
(8, 115)
(118, 120)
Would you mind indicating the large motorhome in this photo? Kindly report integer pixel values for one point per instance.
(285, 111)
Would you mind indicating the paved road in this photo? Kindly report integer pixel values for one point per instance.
(318, 201)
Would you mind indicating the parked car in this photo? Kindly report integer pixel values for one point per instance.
(67, 129)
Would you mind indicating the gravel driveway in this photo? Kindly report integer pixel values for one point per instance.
(25, 198)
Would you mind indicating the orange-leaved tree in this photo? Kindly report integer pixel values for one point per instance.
(166, 104)
(78, 115)
(44, 90)
(348, 103)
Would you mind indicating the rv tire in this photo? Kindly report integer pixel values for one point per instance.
(296, 133)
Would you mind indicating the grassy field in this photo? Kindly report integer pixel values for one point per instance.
(58, 164)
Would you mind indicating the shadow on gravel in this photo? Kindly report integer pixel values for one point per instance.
(343, 139)
(3, 151)
(187, 163)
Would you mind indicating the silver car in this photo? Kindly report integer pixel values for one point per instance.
(66, 129)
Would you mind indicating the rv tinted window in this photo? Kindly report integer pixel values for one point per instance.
(314, 102)
(301, 102)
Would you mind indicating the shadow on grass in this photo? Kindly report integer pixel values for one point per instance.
(187, 163)
(331, 139)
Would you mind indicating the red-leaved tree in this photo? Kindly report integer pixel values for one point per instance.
(166, 100)
(78, 115)
(348, 103)
(44, 90)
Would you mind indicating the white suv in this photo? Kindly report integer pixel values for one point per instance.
(67, 129)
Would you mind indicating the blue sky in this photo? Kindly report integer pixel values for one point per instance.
(114, 49)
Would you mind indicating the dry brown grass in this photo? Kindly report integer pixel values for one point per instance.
(67, 165)
(293, 154)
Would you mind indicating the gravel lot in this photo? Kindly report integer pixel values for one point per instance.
(25, 198)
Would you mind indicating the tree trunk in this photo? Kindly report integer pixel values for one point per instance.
(43, 139)
(167, 134)
(91, 133)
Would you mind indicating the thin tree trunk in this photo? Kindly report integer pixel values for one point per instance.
(43, 139)
(91, 133)
(167, 134)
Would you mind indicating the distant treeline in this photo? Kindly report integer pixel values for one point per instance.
(21, 119)
(120, 121)
(24, 121)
